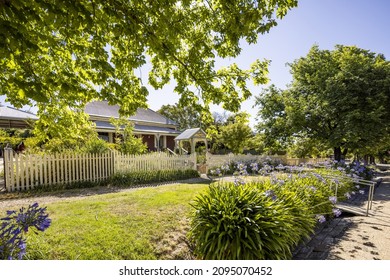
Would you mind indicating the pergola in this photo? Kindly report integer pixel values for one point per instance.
(192, 135)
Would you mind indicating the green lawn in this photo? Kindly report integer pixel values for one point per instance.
(149, 223)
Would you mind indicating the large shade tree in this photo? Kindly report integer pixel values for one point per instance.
(70, 52)
(339, 97)
(186, 117)
(236, 133)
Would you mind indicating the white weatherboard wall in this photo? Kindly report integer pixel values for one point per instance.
(24, 172)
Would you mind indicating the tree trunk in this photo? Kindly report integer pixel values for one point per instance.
(337, 153)
(344, 154)
(365, 159)
(381, 158)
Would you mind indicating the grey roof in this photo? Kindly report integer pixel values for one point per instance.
(102, 109)
(16, 114)
(139, 128)
(158, 129)
(191, 133)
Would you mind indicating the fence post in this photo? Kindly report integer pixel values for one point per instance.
(8, 164)
(114, 162)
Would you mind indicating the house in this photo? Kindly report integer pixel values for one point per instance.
(15, 118)
(157, 131)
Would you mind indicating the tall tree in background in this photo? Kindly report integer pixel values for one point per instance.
(273, 130)
(340, 98)
(236, 134)
(77, 51)
(186, 117)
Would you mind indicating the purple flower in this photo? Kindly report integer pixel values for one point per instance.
(280, 167)
(319, 177)
(254, 166)
(333, 199)
(225, 167)
(347, 195)
(271, 194)
(336, 212)
(238, 181)
(320, 218)
(15, 224)
(361, 192)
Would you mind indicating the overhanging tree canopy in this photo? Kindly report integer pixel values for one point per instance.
(71, 52)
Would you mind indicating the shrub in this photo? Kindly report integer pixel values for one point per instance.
(12, 142)
(152, 176)
(68, 186)
(95, 146)
(248, 222)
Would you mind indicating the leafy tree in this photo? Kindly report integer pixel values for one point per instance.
(60, 128)
(125, 140)
(76, 51)
(302, 147)
(186, 117)
(236, 134)
(214, 129)
(273, 131)
(339, 98)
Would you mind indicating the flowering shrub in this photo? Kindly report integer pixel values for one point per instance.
(244, 168)
(15, 225)
(353, 169)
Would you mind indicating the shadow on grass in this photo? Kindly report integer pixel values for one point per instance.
(63, 192)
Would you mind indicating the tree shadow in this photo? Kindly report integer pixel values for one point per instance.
(96, 190)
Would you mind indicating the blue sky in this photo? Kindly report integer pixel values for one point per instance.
(364, 23)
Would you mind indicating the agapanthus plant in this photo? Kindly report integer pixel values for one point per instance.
(15, 225)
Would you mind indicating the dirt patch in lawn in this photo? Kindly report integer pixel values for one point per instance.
(175, 245)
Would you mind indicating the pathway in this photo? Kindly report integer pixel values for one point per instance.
(354, 237)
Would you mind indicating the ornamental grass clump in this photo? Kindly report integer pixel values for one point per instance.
(15, 225)
(247, 222)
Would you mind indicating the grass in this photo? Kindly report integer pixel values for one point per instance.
(147, 224)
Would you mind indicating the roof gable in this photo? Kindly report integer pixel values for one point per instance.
(102, 109)
(192, 133)
(13, 113)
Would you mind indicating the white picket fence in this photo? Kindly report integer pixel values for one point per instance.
(219, 160)
(153, 161)
(24, 172)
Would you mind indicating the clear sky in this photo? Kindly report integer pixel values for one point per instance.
(364, 23)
